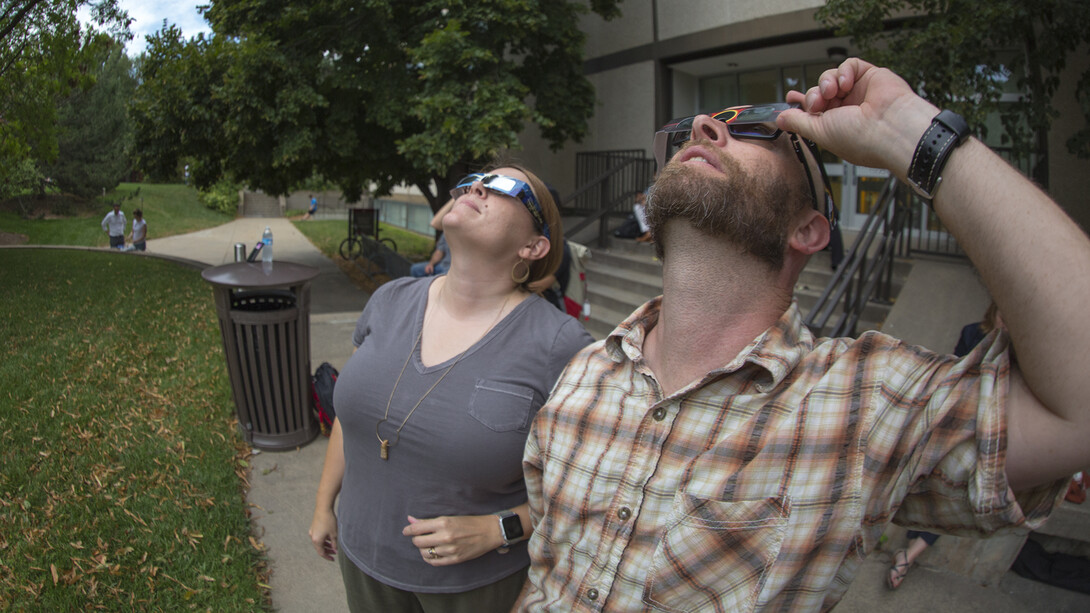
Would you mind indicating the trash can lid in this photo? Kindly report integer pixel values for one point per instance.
(259, 274)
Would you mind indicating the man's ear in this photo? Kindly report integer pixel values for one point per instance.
(810, 233)
(537, 248)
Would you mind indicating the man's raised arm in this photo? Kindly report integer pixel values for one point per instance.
(1033, 258)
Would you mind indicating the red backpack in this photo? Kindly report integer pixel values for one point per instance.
(321, 389)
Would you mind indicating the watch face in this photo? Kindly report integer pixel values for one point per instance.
(512, 527)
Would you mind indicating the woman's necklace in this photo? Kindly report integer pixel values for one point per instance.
(386, 444)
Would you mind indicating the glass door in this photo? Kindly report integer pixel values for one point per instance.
(860, 188)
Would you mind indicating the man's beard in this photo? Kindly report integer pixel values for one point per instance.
(750, 212)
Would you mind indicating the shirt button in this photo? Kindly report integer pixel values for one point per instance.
(624, 513)
(659, 414)
(592, 594)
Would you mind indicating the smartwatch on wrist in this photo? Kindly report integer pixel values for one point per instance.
(946, 132)
(510, 529)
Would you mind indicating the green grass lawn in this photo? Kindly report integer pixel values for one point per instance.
(169, 209)
(327, 234)
(121, 471)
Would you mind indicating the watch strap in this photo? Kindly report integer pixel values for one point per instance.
(947, 131)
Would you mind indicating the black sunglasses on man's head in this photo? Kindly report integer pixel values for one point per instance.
(757, 122)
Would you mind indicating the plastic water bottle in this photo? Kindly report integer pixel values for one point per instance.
(266, 251)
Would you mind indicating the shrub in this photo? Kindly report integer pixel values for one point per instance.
(222, 197)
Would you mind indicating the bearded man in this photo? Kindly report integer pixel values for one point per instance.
(712, 455)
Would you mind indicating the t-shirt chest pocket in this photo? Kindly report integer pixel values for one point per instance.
(715, 552)
(502, 407)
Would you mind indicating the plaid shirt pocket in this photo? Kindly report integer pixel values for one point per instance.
(714, 555)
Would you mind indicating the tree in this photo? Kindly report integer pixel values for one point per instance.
(45, 55)
(966, 54)
(363, 92)
(95, 133)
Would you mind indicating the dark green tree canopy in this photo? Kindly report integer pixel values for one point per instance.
(966, 54)
(94, 130)
(46, 54)
(362, 91)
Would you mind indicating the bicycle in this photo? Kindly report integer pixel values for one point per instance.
(364, 241)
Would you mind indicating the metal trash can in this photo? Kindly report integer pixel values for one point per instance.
(264, 315)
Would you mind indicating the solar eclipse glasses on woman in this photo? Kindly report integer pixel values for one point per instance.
(755, 122)
(507, 186)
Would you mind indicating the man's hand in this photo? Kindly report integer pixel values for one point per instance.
(864, 114)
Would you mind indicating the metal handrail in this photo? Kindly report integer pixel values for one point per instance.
(597, 181)
(866, 272)
(601, 215)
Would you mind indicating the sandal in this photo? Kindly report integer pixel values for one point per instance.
(898, 571)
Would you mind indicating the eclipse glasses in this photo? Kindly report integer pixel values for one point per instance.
(507, 186)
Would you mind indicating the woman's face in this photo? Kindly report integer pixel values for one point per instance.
(490, 217)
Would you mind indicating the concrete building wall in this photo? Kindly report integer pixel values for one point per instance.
(624, 55)
(622, 117)
(679, 19)
(633, 28)
(684, 100)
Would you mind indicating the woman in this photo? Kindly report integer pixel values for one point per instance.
(139, 235)
(919, 540)
(434, 407)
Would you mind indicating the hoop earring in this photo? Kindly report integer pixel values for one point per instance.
(520, 279)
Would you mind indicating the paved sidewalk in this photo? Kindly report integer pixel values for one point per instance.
(283, 484)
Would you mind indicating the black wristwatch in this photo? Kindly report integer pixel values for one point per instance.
(510, 528)
(947, 131)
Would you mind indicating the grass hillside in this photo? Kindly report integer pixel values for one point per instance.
(169, 209)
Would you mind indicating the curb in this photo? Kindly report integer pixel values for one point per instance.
(143, 254)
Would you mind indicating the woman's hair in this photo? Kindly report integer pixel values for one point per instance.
(539, 269)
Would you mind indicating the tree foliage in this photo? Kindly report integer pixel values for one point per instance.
(362, 92)
(966, 54)
(95, 133)
(45, 55)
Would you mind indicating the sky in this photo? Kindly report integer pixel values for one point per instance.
(148, 16)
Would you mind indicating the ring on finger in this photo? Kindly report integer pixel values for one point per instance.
(432, 554)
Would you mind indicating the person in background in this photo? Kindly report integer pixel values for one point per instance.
(139, 235)
(439, 262)
(920, 540)
(640, 211)
(313, 208)
(434, 406)
(114, 225)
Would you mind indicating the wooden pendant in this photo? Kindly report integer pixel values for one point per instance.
(384, 449)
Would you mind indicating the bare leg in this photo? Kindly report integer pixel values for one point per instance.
(903, 560)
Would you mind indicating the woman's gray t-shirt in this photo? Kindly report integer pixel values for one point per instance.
(460, 453)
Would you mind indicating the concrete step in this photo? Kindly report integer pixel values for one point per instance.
(622, 277)
(616, 299)
(627, 274)
(603, 320)
(642, 261)
(1070, 522)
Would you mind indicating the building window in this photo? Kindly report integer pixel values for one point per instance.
(758, 86)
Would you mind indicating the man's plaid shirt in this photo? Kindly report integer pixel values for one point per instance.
(765, 484)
